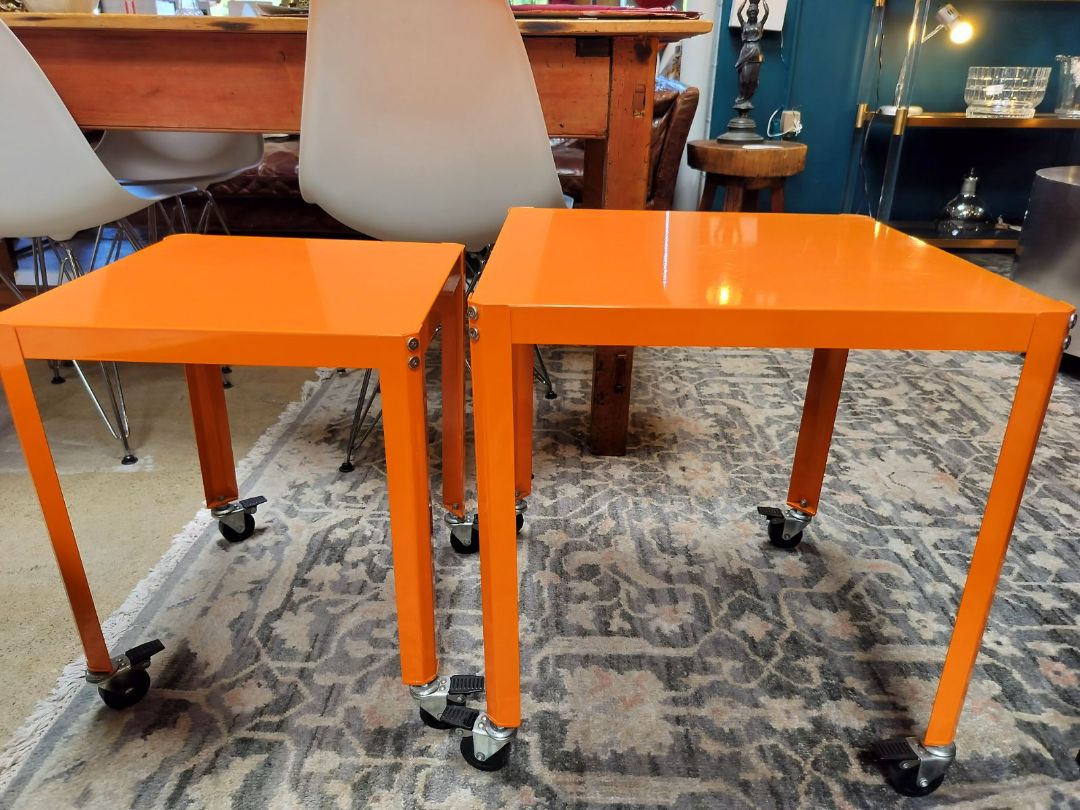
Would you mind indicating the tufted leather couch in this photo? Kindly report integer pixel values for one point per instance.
(267, 198)
(673, 112)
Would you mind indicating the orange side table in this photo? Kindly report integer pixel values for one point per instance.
(630, 278)
(203, 301)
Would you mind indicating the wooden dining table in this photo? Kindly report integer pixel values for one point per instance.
(595, 78)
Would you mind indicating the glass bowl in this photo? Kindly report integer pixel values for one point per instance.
(1005, 92)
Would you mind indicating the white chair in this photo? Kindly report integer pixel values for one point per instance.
(421, 122)
(199, 159)
(54, 186)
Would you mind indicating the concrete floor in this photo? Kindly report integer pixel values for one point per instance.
(124, 517)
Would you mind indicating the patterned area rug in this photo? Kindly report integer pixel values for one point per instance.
(671, 657)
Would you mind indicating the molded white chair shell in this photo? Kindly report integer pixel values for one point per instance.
(198, 158)
(52, 182)
(421, 120)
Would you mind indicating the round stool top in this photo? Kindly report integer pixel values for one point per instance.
(763, 159)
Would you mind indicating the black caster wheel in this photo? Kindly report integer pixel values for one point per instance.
(431, 721)
(346, 467)
(127, 690)
(905, 781)
(474, 546)
(492, 763)
(129, 459)
(234, 536)
(776, 537)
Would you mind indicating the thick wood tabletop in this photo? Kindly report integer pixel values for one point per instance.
(665, 30)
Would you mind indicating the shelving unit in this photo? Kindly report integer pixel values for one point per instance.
(903, 121)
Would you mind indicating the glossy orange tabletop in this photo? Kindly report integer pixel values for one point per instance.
(855, 283)
(251, 295)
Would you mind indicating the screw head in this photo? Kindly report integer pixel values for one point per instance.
(1067, 343)
(413, 344)
(924, 782)
(803, 502)
(480, 757)
(1072, 320)
(473, 313)
(474, 333)
(414, 363)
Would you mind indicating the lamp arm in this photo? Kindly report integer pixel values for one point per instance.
(933, 33)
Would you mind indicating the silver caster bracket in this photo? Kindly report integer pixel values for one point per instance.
(465, 532)
(129, 681)
(785, 528)
(445, 693)
(236, 520)
(912, 768)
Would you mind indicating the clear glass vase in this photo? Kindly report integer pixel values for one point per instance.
(1069, 106)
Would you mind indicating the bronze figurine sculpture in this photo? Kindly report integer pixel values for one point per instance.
(742, 127)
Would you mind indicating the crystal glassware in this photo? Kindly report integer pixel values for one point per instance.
(1005, 92)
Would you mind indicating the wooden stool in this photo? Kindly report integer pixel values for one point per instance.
(745, 170)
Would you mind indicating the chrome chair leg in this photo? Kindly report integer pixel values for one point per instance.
(118, 425)
(363, 407)
(541, 374)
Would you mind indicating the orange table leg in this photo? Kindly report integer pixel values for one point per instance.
(523, 419)
(452, 339)
(405, 431)
(816, 430)
(1022, 434)
(211, 418)
(27, 420)
(493, 380)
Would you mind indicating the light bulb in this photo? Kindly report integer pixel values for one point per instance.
(961, 32)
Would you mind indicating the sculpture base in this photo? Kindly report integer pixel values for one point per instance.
(741, 129)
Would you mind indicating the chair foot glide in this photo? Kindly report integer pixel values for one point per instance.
(465, 532)
(785, 528)
(129, 681)
(236, 520)
(912, 768)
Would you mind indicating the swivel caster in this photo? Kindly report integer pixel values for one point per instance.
(442, 702)
(234, 536)
(776, 537)
(125, 690)
(465, 535)
(478, 760)
(785, 528)
(236, 521)
(129, 681)
(911, 768)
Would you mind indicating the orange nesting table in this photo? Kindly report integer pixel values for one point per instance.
(827, 283)
(293, 302)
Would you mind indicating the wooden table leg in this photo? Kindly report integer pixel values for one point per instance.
(7, 270)
(708, 194)
(405, 428)
(27, 420)
(734, 194)
(626, 184)
(777, 200)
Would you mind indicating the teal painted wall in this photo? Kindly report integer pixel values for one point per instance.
(815, 69)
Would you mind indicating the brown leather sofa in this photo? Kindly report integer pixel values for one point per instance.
(267, 199)
(673, 113)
